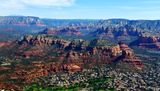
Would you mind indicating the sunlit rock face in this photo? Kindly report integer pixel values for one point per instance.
(78, 52)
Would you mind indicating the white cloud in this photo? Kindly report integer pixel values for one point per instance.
(12, 7)
(10, 4)
(21, 4)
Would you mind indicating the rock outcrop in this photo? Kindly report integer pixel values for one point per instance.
(79, 52)
(128, 56)
(150, 42)
(69, 31)
(117, 33)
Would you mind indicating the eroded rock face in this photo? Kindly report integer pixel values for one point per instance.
(70, 60)
(151, 39)
(33, 52)
(69, 31)
(117, 32)
(108, 33)
(72, 57)
(28, 76)
(151, 42)
(128, 56)
(116, 50)
(42, 40)
(50, 31)
(71, 67)
(77, 52)
(105, 55)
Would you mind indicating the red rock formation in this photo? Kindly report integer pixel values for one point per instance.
(151, 42)
(50, 31)
(71, 67)
(91, 55)
(72, 57)
(38, 64)
(28, 76)
(69, 31)
(28, 54)
(116, 50)
(9, 87)
(35, 74)
(129, 56)
(4, 44)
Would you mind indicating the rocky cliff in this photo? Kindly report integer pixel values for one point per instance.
(69, 31)
(21, 20)
(151, 42)
(77, 52)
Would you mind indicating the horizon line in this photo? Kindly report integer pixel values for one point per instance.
(76, 18)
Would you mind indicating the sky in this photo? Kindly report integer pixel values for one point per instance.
(82, 9)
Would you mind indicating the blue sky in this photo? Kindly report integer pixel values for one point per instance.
(82, 9)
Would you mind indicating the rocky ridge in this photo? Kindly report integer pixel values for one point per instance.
(79, 52)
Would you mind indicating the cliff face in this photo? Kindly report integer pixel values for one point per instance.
(36, 40)
(69, 31)
(126, 30)
(46, 54)
(146, 25)
(76, 53)
(129, 57)
(112, 29)
(20, 20)
(119, 33)
(150, 39)
(106, 55)
(129, 34)
(151, 42)
(116, 50)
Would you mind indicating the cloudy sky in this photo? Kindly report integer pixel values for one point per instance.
(82, 9)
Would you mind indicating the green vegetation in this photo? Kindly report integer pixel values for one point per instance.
(95, 84)
(145, 51)
(98, 42)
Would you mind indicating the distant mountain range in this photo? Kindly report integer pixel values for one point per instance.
(14, 27)
(153, 25)
(20, 20)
